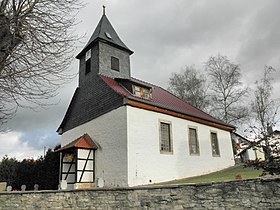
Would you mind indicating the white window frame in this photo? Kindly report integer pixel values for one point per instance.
(88, 54)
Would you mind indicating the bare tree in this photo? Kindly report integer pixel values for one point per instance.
(36, 48)
(264, 109)
(263, 120)
(228, 92)
(190, 86)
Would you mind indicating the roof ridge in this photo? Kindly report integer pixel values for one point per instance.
(98, 29)
(140, 80)
(193, 106)
(181, 100)
(75, 143)
(168, 92)
(104, 31)
(127, 94)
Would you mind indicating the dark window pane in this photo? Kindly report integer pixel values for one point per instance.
(214, 143)
(142, 92)
(88, 66)
(115, 65)
(193, 142)
(165, 137)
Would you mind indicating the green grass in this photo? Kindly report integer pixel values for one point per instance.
(226, 174)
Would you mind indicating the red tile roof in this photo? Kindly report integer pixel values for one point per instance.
(163, 99)
(115, 86)
(83, 142)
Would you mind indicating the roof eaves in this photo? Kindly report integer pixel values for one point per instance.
(151, 103)
(75, 143)
(221, 122)
(231, 127)
(89, 45)
(241, 137)
(135, 82)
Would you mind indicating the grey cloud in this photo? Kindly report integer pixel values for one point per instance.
(166, 36)
(261, 41)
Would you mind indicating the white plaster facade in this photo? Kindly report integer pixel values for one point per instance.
(147, 165)
(109, 133)
(128, 151)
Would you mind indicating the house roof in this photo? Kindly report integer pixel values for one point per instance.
(164, 100)
(240, 137)
(105, 32)
(83, 142)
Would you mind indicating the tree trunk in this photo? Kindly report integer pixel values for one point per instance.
(8, 41)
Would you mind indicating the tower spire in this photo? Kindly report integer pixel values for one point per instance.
(104, 10)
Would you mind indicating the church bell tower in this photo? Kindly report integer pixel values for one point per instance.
(104, 54)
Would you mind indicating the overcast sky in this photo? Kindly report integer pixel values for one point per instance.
(165, 35)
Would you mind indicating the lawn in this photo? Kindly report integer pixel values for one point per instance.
(226, 174)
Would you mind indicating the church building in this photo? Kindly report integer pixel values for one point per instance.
(121, 131)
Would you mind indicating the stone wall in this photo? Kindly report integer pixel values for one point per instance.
(240, 194)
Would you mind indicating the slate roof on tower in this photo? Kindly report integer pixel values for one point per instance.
(105, 32)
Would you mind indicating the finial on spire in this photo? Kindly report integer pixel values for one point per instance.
(104, 7)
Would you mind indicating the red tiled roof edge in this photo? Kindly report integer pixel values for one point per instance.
(197, 108)
(78, 143)
(123, 92)
(180, 100)
(180, 115)
(114, 85)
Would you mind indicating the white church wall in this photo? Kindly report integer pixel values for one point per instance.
(251, 154)
(109, 133)
(147, 165)
(260, 154)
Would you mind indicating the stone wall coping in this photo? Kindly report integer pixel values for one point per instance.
(147, 187)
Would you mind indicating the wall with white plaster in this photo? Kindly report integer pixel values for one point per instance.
(146, 164)
(129, 148)
(109, 133)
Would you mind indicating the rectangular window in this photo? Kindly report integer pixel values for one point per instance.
(88, 66)
(115, 64)
(215, 145)
(88, 62)
(145, 93)
(137, 91)
(165, 137)
(142, 92)
(193, 141)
